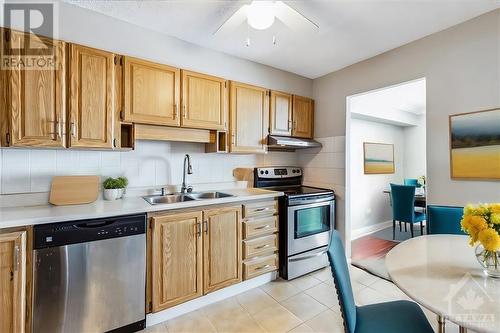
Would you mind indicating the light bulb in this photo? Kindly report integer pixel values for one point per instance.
(260, 14)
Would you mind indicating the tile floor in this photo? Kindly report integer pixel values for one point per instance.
(306, 304)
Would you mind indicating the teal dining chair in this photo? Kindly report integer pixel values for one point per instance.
(403, 208)
(444, 220)
(412, 181)
(390, 317)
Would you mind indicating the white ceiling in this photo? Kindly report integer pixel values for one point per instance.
(401, 104)
(350, 30)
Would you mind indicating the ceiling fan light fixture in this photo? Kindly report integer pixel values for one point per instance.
(260, 14)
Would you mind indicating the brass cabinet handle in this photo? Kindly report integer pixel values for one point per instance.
(262, 209)
(198, 229)
(295, 125)
(175, 110)
(262, 247)
(233, 136)
(16, 258)
(289, 125)
(73, 128)
(263, 227)
(262, 267)
(184, 111)
(205, 225)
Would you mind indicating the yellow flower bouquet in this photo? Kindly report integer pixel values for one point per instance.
(482, 224)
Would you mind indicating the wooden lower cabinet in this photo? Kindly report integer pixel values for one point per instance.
(193, 253)
(222, 248)
(13, 281)
(176, 259)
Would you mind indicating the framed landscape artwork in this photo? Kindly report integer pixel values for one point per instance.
(378, 158)
(475, 145)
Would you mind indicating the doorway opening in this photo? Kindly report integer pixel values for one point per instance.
(385, 144)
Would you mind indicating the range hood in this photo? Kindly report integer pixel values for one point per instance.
(275, 142)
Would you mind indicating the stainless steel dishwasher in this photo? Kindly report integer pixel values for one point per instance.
(89, 276)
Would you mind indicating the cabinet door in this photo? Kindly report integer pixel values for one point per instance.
(222, 248)
(91, 74)
(249, 118)
(203, 101)
(280, 114)
(36, 99)
(12, 281)
(151, 93)
(303, 117)
(176, 259)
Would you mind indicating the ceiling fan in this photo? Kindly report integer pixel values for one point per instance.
(261, 14)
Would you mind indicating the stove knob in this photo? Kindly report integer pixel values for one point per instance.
(267, 172)
(261, 172)
(294, 171)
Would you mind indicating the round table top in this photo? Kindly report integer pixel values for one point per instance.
(441, 273)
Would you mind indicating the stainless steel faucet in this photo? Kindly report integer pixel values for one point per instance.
(187, 170)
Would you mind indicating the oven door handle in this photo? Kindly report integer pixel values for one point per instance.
(308, 257)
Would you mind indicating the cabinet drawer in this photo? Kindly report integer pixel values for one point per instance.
(261, 226)
(258, 246)
(260, 208)
(260, 266)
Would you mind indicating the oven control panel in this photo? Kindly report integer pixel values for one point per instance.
(279, 172)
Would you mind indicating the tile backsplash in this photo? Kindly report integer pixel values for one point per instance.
(325, 167)
(151, 164)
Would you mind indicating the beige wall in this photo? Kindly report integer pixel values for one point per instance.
(462, 67)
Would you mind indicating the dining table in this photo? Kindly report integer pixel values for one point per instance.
(442, 274)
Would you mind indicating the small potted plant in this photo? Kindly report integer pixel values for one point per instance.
(114, 187)
(123, 185)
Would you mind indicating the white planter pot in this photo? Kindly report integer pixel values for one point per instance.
(111, 194)
(121, 192)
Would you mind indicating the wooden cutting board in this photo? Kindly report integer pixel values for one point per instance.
(74, 190)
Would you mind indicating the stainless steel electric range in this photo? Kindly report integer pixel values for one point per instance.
(307, 216)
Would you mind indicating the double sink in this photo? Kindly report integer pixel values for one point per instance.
(182, 197)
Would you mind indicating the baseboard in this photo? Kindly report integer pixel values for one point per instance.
(364, 231)
(219, 295)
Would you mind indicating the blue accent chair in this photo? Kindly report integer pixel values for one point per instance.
(444, 220)
(412, 181)
(403, 208)
(390, 317)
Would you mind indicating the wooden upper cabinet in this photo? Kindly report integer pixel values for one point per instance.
(36, 98)
(13, 281)
(280, 114)
(249, 118)
(91, 97)
(222, 248)
(176, 259)
(152, 93)
(204, 101)
(303, 117)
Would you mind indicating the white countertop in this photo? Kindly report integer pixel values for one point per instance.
(32, 215)
(441, 273)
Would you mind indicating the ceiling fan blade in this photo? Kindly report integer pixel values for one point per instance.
(292, 17)
(237, 18)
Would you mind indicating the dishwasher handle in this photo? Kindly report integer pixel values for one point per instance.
(91, 225)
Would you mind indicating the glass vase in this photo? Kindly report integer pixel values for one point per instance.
(489, 260)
